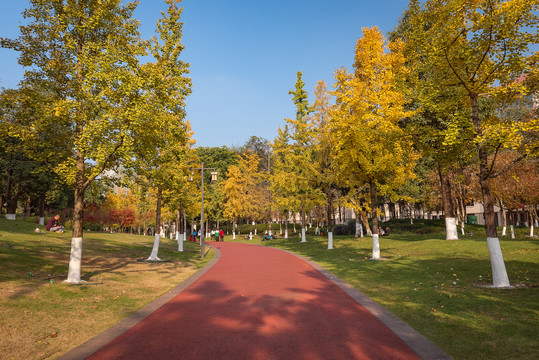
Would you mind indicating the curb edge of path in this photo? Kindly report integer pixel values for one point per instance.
(97, 342)
(426, 349)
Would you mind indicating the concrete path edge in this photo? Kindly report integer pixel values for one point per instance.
(417, 342)
(94, 344)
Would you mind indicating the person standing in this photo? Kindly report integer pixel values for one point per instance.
(221, 234)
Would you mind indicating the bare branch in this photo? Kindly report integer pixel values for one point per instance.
(493, 160)
(509, 167)
(105, 163)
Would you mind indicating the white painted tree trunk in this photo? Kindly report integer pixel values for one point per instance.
(184, 238)
(256, 231)
(512, 231)
(375, 247)
(303, 238)
(462, 228)
(155, 249)
(286, 233)
(73, 275)
(504, 230)
(451, 232)
(11, 216)
(233, 235)
(358, 229)
(42, 221)
(330, 240)
(250, 236)
(180, 241)
(499, 273)
(531, 231)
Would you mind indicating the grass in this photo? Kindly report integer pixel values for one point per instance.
(440, 287)
(43, 317)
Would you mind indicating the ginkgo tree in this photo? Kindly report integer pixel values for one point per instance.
(484, 49)
(300, 157)
(369, 145)
(281, 176)
(87, 52)
(163, 142)
(240, 189)
(325, 176)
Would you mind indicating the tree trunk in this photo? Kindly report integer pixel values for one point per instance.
(184, 227)
(504, 218)
(286, 226)
(358, 224)
(179, 234)
(366, 223)
(512, 223)
(530, 216)
(375, 239)
(42, 210)
(9, 178)
(156, 237)
(28, 207)
(303, 238)
(462, 211)
(330, 210)
(449, 207)
(499, 272)
(75, 258)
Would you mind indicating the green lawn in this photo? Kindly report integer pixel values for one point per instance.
(432, 284)
(43, 317)
(437, 286)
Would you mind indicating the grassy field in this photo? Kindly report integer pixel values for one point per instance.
(43, 317)
(440, 287)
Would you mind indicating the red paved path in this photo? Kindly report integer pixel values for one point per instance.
(259, 303)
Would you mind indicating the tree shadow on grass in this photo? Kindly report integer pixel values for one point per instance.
(30, 262)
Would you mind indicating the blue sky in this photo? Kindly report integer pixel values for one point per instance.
(244, 55)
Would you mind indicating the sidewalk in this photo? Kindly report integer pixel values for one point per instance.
(262, 303)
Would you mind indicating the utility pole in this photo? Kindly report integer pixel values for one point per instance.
(213, 178)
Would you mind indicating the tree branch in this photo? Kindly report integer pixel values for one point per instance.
(509, 167)
(493, 160)
(484, 54)
(104, 165)
(499, 64)
(454, 71)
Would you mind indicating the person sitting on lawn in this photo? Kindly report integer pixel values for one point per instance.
(52, 225)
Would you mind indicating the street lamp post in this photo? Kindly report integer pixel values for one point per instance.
(213, 178)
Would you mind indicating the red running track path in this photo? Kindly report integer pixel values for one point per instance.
(261, 303)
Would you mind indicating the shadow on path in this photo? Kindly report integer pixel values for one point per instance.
(259, 303)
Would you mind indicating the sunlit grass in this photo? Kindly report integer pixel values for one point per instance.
(43, 317)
